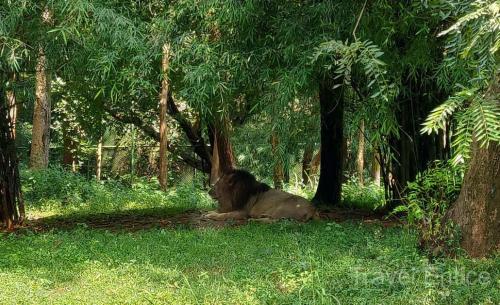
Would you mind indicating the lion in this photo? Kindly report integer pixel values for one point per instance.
(241, 196)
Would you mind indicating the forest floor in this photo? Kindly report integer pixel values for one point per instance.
(171, 256)
(104, 243)
(140, 219)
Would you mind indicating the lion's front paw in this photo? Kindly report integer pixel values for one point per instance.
(212, 215)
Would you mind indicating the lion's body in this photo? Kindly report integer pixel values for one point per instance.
(241, 196)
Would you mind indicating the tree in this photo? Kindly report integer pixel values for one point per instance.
(163, 119)
(11, 201)
(360, 160)
(40, 139)
(332, 113)
(472, 51)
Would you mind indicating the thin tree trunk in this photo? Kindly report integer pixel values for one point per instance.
(12, 103)
(99, 160)
(70, 158)
(162, 176)
(477, 209)
(360, 160)
(376, 168)
(11, 201)
(316, 163)
(278, 171)
(306, 164)
(332, 134)
(41, 116)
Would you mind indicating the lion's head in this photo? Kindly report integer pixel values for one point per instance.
(234, 189)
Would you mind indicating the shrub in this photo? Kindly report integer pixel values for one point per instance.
(369, 197)
(427, 201)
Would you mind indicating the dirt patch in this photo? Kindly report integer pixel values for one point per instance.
(188, 219)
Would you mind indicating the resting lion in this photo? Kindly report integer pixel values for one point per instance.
(241, 196)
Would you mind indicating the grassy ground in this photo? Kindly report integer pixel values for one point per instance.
(319, 262)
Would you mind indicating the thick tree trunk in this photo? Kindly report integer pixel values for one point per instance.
(162, 176)
(278, 171)
(98, 171)
(41, 116)
(376, 168)
(332, 134)
(360, 160)
(306, 164)
(222, 154)
(477, 209)
(11, 201)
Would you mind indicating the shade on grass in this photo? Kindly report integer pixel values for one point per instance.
(283, 263)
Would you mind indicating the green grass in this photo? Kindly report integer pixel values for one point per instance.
(283, 263)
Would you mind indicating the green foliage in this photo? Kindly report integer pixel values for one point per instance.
(62, 192)
(282, 263)
(471, 65)
(426, 203)
(368, 197)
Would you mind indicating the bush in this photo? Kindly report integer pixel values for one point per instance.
(62, 191)
(427, 201)
(369, 197)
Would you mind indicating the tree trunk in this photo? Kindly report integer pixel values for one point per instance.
(306, 164)
(41, 116)
(315, 163)
(477, 209)
(278, 171)
(222, 154)
(332, 134)
(99, 160)
(11, 201)
(376, 168)
(360, 160)
(162, 176)
(70, 158)
(12, 103)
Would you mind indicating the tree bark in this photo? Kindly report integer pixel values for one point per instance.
(162, 175)
(12, 104)
(360, 160)
(40, 141)
(477, 209)
(306, 164)
(70, 157)
(99, 160)
(278, 171)
(376, 168)
(11, 201)
(222, 154)
(332, 134)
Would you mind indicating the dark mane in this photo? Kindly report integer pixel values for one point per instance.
(244, 186)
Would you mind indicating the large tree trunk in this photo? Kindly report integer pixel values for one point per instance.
(162, 175)
(41, 117)
(477, 209)
(222, 153)
(360, 160)
(11, 202)
(278, 171)
(332, 134)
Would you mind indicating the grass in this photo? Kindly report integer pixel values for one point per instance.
(283, 263)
